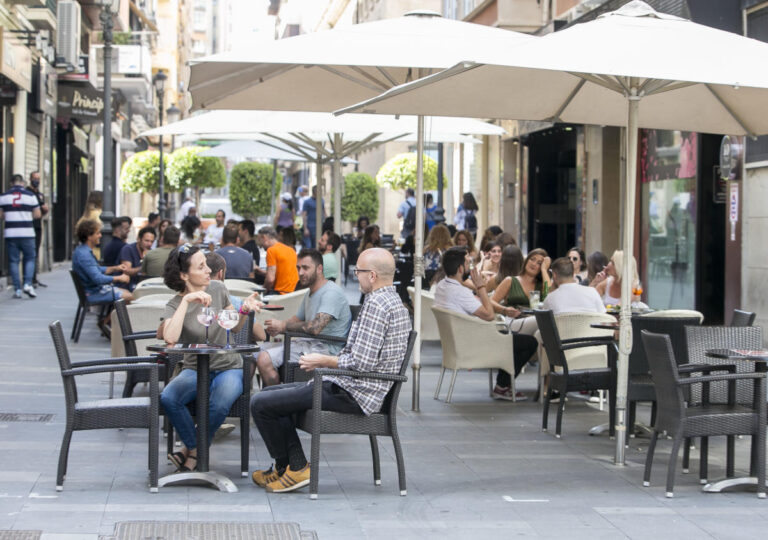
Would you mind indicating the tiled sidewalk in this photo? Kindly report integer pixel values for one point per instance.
(476, 468)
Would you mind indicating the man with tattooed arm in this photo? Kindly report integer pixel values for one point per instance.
(325, 310)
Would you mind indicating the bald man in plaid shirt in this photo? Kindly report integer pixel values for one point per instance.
(377, 343)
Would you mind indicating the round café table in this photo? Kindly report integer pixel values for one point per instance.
(760, 360)
(202, 474)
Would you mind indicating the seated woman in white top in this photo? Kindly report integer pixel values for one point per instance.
(609, 280)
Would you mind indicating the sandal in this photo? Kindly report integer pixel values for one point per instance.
(184, 467)
(178, 459)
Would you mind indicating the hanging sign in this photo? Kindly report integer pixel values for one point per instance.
(734, 210)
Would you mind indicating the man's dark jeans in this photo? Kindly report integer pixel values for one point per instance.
(273, 409)
(524, 347)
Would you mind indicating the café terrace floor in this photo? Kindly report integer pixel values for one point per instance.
(476, 467)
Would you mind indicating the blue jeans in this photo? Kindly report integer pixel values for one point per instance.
(17, 246)
(226, 387)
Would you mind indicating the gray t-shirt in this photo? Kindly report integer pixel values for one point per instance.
(329, 299)
(239, 262)
(194, 332)
(330, 268)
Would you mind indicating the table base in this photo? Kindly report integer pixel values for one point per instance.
(210, 478)
(600, 429)
(744, 483)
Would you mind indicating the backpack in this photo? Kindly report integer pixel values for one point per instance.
(470, 221)
(409, 223)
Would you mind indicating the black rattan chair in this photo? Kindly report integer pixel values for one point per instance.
(140, 412)
(565, 380)
(132, 378)
(240, 408)
(290, 371)
(384, 423)
(699, 340)
(83, 306)
(639, 382)
(680, 421)
(743, 318)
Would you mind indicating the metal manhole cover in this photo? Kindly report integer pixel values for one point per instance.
(196, 530)
(25, 417)
(20, 535)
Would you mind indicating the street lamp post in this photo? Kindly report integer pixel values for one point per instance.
(159, 83)
(108, 10)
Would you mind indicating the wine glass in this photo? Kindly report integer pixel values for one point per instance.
(206, 318)
(228, 319)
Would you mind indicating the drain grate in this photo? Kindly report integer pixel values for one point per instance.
(156, 530)
(20, 535)
(25, 417)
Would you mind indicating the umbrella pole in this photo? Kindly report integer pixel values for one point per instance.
(274, 181)
(336, 180)
(418, 260)
(625, 331)
(319, 202)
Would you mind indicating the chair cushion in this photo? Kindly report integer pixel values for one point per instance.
(720, 420)
(113, 413)
(334, 422)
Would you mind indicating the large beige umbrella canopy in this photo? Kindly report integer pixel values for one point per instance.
(326, 70)
(621, 69)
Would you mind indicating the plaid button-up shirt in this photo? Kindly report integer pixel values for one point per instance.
(377, 342)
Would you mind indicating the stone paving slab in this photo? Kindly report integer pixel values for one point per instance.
(475, 468)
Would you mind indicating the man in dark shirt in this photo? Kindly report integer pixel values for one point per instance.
(132, 254)
(37, 223)
(248, 243)
(121, 226)
(239, 261)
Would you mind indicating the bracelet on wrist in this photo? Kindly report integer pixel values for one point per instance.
(243, 310)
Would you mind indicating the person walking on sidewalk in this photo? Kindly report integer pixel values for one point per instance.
(37, 223)
(19, 207)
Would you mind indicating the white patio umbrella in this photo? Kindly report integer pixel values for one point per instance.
(323, 71)
(621, 70)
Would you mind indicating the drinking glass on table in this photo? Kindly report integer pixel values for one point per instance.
(228, 319)
(535, 299)
(206, 318)
(637, 290)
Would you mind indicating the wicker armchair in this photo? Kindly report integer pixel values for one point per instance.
(468, 342)
(139, 412)
(428, 330)
(680, 421)
(83, 306)
(383, 423)
(564, 380)
(240, 408)
(289, 371)
(147, 316)
(699, 339)
(743, 318)
(639, 382)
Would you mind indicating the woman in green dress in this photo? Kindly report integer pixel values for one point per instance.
(513, 293)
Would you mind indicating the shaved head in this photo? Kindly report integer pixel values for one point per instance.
(381, 262)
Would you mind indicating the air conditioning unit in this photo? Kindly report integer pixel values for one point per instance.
(68, 34)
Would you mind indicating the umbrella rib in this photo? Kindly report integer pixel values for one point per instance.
(731, 112)
(668, 86)
(374, 80)
(239, 87)
(292, 144)
(568, 100)
(294, 149)
(387, 76)
(376, 88)
(609, 84)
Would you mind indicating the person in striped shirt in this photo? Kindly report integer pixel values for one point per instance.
(19, 206)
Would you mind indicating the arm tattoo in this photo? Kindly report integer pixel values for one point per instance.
(316, 325)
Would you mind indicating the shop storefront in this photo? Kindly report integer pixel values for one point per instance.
(682, 245)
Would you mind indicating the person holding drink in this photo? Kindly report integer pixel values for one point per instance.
(189, 318)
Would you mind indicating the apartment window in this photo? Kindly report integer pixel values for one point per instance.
(198, 20)
(198, 46)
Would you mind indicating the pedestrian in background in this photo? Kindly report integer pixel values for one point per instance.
(19, 206)
(37, 223)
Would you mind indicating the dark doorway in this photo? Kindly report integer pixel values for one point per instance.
(552, 189)
(710, 252)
